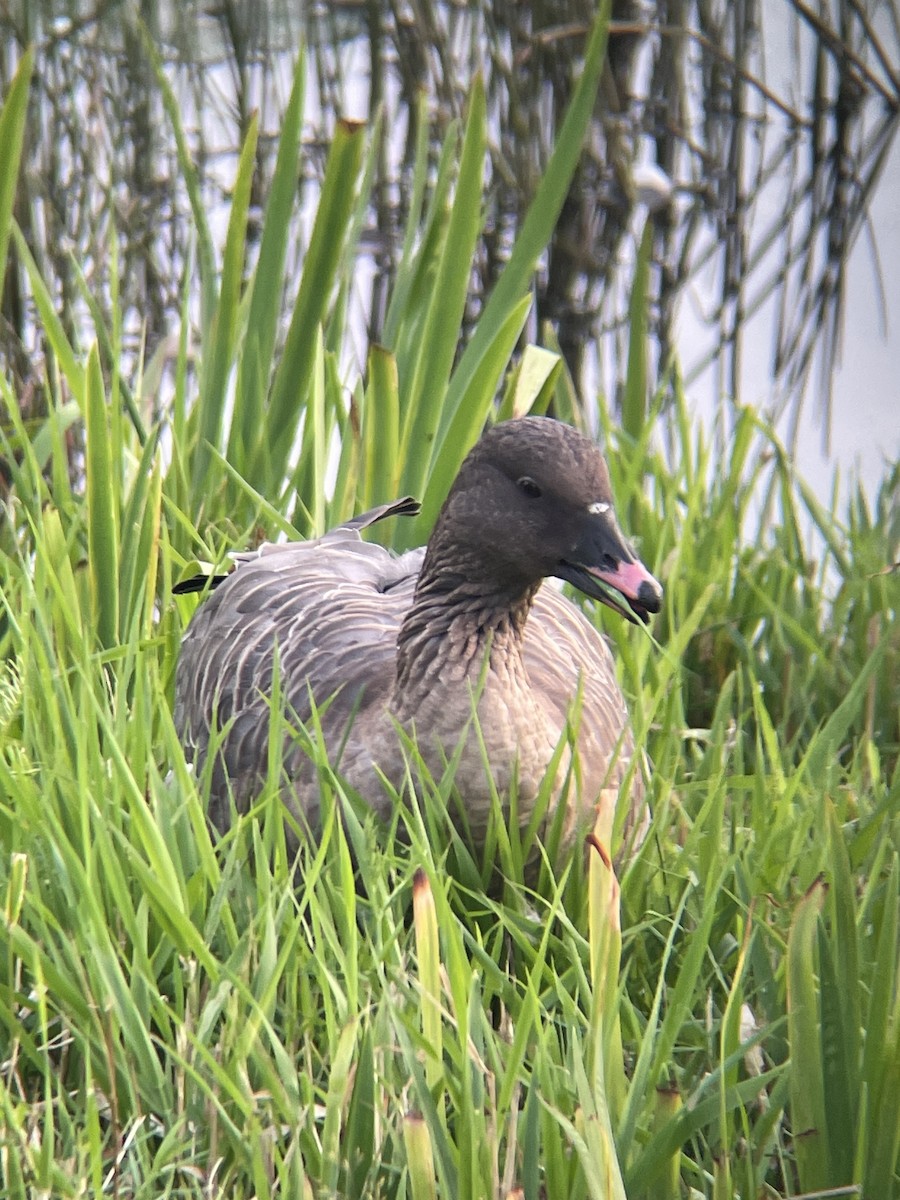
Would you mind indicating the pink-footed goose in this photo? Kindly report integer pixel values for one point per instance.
(415, 640)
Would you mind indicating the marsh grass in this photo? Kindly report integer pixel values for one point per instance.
(774, 167)
(188, 1015)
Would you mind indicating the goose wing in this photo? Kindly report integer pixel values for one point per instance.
(329, 611)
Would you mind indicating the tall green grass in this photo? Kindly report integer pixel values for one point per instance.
(182, 1015)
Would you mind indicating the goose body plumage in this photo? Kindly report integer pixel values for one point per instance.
(418, 642)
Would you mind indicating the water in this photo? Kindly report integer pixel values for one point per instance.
(849, 419)
(97, 87)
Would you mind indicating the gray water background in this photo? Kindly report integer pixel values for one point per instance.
(839, 408)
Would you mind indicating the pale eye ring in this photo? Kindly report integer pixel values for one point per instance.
(598, 508)
(529, 487)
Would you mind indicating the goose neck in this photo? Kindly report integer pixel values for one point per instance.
(456, 626)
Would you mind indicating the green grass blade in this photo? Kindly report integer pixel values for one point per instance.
(220, 347)
(12, 132)
(634, 403)
(205, 247)
(429, 959)
(884, 1156)
(422, 395)
(411, 297)
(290, 387)
(884, 986)
(468, 421)
(419, 1158)
(257, 361)
(314, 439)
(807, 1084)
(532, 385)
(140, 525)
(407, 267)
(841, 1131)
(53, 328)
(102, 507)
(381, 429)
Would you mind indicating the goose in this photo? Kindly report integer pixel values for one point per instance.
(388, 647)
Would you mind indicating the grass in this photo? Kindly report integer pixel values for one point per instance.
(186, 1016)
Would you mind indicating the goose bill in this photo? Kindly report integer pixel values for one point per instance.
(629, 580)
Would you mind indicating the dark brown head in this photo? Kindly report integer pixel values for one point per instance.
(533, 500)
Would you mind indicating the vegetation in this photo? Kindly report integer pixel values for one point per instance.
(773, 121)
(182, 1015)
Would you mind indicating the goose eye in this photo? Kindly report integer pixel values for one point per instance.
(529, 487)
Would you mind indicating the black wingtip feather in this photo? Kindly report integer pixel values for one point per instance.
(197, 583)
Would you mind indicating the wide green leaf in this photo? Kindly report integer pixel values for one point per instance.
(257, 362)
(808, 1101)
(290, 387)
(422, 395)
(12, 132)
(220, 346)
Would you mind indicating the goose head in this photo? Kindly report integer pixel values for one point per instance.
(532, 500)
